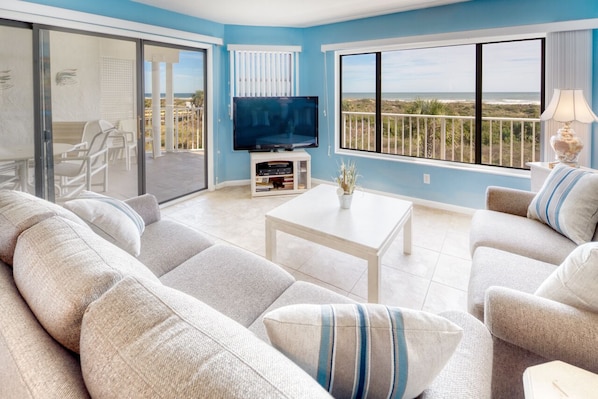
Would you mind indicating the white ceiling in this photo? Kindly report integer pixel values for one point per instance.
(289, 13)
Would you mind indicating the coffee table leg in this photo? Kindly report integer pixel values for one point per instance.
(407, 237)
(374, 272)
(270, 241)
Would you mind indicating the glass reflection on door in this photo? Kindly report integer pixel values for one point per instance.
(94, 115)
(174, 122)
(17, 165)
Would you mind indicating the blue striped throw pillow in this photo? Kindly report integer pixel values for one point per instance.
(364, 350)
(568, 202)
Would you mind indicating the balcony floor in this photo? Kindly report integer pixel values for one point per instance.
(169, 176)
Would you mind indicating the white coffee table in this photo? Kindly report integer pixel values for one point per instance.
(366, 230)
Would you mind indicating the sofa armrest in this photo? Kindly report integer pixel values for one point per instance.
(508, 200)
(468, 374)
(147, 207)
(547, 328)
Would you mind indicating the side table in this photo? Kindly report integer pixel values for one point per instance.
(558, 380)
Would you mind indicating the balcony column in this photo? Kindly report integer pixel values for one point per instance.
(169, 115)
(156, 118)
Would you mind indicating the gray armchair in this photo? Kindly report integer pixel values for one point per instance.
(511, 257)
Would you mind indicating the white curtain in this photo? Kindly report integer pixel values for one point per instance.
(569, 66)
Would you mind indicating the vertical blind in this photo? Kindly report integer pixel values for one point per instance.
(263, 72)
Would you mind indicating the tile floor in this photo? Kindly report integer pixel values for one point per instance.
(433, 278)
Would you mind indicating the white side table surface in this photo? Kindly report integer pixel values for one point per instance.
(559, 380)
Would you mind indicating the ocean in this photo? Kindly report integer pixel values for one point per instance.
(489, 97)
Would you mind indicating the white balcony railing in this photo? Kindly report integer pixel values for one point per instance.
(506, 141)
(188, 127)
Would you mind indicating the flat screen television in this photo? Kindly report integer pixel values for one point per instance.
(274, 123)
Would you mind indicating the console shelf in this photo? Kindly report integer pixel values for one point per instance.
(277, 173)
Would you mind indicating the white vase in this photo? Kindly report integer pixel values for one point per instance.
(345, 200)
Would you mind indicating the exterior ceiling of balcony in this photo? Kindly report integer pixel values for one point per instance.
(289, 13)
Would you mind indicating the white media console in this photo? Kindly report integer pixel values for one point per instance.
(275, 173)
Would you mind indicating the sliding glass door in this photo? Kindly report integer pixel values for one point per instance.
(84, 111)
(94, 114)
(17, 145)
(174, 121)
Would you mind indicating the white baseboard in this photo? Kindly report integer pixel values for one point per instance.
(416, 201)
(233, 183)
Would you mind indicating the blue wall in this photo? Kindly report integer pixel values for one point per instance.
(452, 186)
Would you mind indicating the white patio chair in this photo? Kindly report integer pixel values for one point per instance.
(124, 141)
(76, 169)
(9, 178)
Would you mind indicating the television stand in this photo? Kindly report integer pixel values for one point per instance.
(276, 173)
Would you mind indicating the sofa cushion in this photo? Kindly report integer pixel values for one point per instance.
(18, 212)
(468, 373)
(183, 243)
(575, 281)
(60, 267)
(365, 350)
(490, 266)
(519, 235)
(232, 280)
(33, 365)
(171, 345)
(300, 292)
(568, 202)
(111, 219)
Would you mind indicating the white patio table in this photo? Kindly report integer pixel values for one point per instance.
(21, 155)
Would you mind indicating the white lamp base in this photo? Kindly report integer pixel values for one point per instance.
(566, 145)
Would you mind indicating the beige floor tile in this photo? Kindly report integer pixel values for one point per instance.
(421, 262)
(452, 271)
(434, 277)
(441, 298)
(456, 243)
(335, 268)
(397, 288)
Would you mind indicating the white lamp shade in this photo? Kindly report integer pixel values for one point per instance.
(568, 106)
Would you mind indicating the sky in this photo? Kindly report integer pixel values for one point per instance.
(188, 73)
(507, 67)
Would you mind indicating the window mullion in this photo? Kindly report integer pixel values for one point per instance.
(478, 105)
(379, 102)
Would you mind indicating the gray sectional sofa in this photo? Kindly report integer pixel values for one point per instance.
(512, 255)
(80, 317)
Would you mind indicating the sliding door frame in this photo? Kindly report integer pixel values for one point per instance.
(42, 109)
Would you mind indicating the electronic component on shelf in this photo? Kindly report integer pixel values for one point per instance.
(274, 168)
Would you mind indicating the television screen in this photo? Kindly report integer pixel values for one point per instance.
(272, 123)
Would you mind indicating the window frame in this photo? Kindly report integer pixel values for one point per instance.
(379, 46)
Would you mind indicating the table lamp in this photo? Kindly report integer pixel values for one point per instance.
(568, 106)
